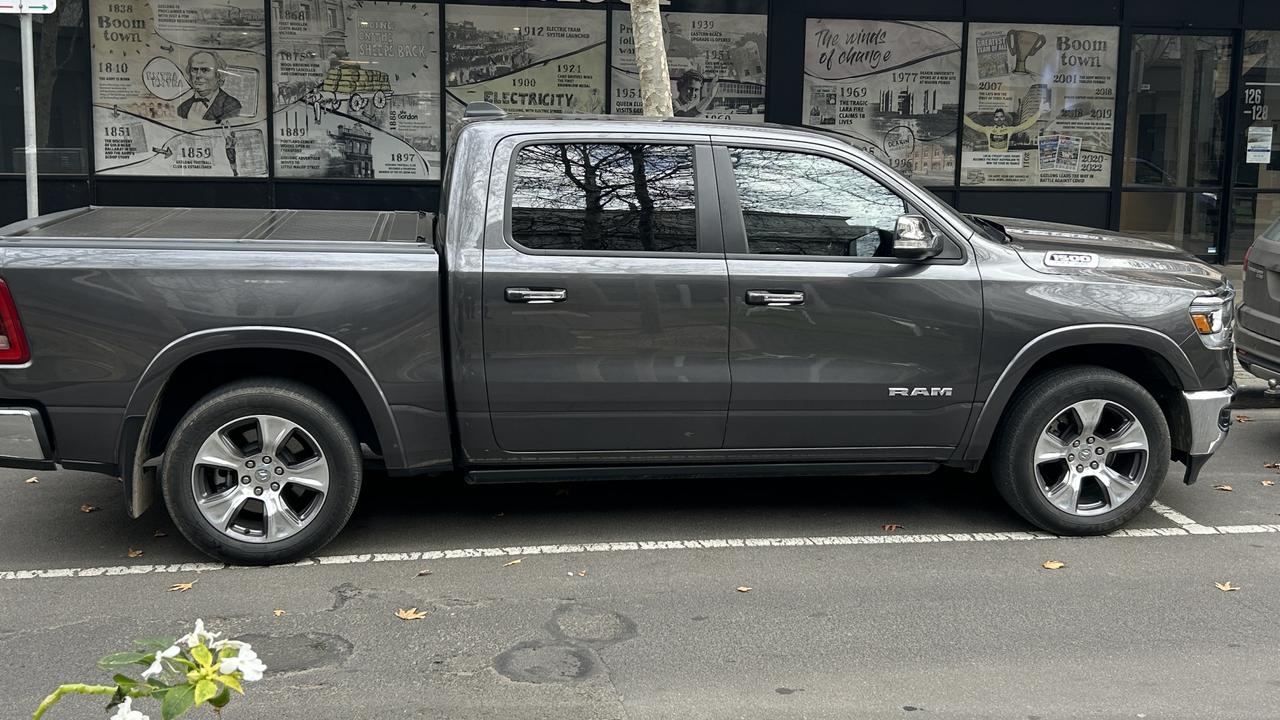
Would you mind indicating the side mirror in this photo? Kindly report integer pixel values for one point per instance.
(915, 239)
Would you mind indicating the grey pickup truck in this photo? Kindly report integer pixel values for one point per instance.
(605, 298)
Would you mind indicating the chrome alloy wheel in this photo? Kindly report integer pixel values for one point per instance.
(1091, 457)
(260, 479)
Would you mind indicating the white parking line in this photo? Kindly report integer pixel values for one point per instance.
(638, 546)
(1187, 523)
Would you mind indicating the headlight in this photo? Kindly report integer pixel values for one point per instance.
(1212, 316)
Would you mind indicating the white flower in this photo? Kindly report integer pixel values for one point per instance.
(125, 711)
(246, 662)
(238, 645)
(157, 666)
(197, 636)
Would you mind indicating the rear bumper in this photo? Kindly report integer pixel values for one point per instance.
(1258, 354)
(23, 442)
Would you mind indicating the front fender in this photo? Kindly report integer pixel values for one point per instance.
(140, 411)
(984, 427)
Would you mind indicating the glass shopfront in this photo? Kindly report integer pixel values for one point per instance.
(1108, 113)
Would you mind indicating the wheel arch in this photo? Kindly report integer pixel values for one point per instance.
(194, 364)
(1148, 356)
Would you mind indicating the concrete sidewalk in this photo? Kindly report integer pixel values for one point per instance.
(1253, 390)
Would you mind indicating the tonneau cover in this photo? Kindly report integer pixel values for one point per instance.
(227, 224)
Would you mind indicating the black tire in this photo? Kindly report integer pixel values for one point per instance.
(1042, 400)
(321, 422)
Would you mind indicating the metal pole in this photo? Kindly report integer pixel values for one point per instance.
(29, 114)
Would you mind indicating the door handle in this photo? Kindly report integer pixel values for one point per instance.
(536, 296)
(774, 298)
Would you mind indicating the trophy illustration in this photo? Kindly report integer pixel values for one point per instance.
(1022, 45)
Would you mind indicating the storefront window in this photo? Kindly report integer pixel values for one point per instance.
(180, 93)
(1039, 105)
(1185, 219)
(540, 60)
(357, 91)
(62, 109)
(1178, 92)
(892, 87)
(717, 63)
(1259, 163)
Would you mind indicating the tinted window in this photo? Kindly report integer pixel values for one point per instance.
(799, 204)
(604, 197)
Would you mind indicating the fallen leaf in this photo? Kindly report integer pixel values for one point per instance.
(1053, 565)
(410, 614)
(1226, 586)
(277, 613)
(423, 572)
(134, 553)
(31, 480)
(744, 588)
(1243, 418)
(1268, 483)
(160, 533)
(87, 508)
(1223, 488)
(891, 527)
(181, 587)
(517, 561)
(582, 573)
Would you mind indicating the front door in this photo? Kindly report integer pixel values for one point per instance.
(606, 298)
(834, 343)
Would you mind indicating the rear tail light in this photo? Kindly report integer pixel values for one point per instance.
(13, 343)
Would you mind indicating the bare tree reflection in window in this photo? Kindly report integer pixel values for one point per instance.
(802, 204)
(588, 196)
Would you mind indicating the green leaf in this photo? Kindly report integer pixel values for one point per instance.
(221, 699)
(205, 689)
(232, 682)
(157, 643)
(121, 659)
(178, 700)
(124, 681)
(202, 655)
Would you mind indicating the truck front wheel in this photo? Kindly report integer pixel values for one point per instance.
(1081, 451)
(261, 472)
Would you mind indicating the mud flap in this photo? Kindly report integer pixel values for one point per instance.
(1194, 463)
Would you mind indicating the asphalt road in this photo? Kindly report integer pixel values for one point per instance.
(949, 616)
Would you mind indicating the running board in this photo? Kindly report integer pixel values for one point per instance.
(672, 472)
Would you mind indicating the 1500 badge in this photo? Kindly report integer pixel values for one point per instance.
(1071, 259)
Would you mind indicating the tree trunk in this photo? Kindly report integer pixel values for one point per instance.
(651, 58)
(46, 72)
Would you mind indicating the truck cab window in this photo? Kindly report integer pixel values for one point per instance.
(800, 204)
(604, 196)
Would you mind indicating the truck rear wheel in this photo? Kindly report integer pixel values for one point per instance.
(1082, 451)
(261, 472)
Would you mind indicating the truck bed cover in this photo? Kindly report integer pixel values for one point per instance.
(227, 224)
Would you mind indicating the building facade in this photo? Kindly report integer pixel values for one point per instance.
(1155, 117)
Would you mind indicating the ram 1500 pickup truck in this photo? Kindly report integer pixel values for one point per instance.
(605, 298)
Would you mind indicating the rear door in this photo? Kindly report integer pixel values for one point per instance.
(606, 304)
(834, 343)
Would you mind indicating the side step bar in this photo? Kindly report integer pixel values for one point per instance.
(673, 472)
